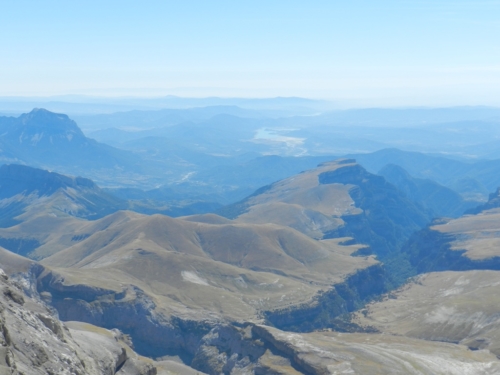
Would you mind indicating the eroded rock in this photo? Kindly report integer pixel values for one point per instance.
(35, 342)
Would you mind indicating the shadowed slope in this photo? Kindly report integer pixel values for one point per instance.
(468, 242)
(440, 200)
(27, 192)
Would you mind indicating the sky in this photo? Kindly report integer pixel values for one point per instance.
(390, 53)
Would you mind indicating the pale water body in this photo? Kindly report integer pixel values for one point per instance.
(265, 133)
(277, 135)
(290, 145)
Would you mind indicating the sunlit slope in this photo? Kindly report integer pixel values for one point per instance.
(275, 351)
(369, 354)
(300, 202)
(241, 268)
(459, 307)
(336, 199)
(206, 218)
(13, 263)
(478, 235)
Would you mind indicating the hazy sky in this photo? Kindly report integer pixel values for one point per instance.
(375, 52)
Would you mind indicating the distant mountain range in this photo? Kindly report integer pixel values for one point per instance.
(474, 180)
(440, 200)
(80, 104)
(145, 120)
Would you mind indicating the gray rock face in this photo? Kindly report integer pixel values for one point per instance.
(228, 349)
(322, 353)
(33, 341)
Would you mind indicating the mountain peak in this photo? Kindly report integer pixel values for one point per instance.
(43, 114)
(43, 129)
(47, 139)
(44, 119)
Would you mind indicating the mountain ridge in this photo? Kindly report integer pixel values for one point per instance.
(27, 191)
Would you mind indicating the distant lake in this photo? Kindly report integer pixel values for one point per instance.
(265, 133)
(278, 135)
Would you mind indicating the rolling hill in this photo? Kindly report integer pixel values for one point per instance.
(164, 272)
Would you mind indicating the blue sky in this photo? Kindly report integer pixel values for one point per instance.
(365, 52)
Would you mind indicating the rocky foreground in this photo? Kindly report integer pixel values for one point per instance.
(34, 341)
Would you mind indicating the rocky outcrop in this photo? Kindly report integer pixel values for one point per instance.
(157, 334)
(260, 349)
(131, 311)
(34, 342)
(229, 349)
(322, 353)
(328, 308)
